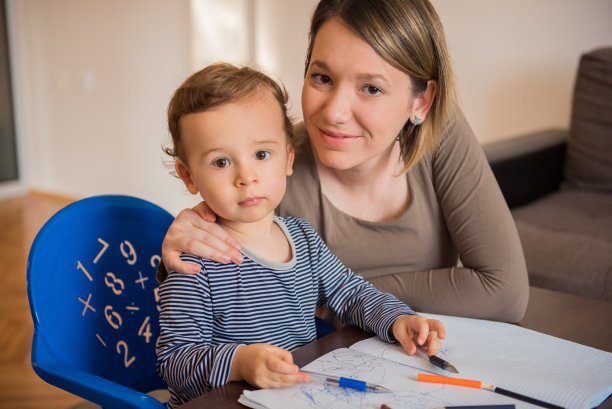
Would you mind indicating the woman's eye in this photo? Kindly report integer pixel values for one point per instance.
(321, 78)
(262, 155)
(221, 163)
(372, 90)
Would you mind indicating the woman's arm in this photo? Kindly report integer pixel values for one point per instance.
(492, 281)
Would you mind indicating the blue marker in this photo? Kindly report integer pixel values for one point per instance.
(346, 383)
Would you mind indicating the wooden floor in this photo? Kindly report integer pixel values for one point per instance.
(20, 387)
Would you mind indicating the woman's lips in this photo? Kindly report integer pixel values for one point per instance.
(335, 138)
(251, 201)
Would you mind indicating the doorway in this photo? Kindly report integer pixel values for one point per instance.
(8, 145)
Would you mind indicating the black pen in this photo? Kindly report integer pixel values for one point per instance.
(481, 385)
(481, 407)
(383, 406)
(436, 361)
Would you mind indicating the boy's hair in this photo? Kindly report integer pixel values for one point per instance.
(216, 85)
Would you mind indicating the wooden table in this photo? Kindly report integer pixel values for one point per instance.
(578, 319)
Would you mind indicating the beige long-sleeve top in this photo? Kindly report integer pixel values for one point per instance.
(455, 250)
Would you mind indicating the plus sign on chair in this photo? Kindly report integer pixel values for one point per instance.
(93, 299)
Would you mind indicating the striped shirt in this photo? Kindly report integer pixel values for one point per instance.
(206, 317)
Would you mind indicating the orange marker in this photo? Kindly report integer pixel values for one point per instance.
(481, 385)
(451, 381)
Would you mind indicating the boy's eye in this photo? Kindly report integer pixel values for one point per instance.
(221, 163)
(262, 155)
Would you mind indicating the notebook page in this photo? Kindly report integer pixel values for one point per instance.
(407, 394)
(514, 358)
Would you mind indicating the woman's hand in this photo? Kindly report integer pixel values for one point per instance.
(265, 366)
(427, 333)
(194, 231)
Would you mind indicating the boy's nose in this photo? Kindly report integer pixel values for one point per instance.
(246, 176)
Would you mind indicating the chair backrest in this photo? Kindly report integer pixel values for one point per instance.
(92, 288)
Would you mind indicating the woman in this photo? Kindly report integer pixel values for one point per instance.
(390, 174)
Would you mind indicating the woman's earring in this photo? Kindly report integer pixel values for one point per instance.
(417, 120)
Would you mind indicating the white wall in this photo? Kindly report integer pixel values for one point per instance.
(516, 59)
(94, 77)
(281, 42)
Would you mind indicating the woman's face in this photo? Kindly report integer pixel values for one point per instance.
(354, 102)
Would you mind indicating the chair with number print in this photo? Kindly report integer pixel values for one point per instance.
(93, 299)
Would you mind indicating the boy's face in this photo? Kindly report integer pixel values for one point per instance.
(237, 157)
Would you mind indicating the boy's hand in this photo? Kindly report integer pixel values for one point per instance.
(265, 366)
(427, 333)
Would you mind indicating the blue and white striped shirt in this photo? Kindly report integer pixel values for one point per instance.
(205, 317)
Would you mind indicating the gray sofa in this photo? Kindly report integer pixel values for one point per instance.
(558, 184)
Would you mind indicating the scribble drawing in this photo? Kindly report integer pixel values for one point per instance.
(354, 364)
(395, 353)
(323, 396)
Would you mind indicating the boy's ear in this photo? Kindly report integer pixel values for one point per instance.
(185, 174)
(424, 101)
(290, 158)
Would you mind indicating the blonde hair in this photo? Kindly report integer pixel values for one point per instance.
(407, 34)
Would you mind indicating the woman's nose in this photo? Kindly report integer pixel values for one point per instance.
(337, 108)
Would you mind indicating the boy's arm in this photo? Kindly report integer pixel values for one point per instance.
(413, 331)
(185, 358)
(352, 299)
(265, 366)
(358, 302)
(188, 362)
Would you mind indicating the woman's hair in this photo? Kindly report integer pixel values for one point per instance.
(408, 35)
(216, 85)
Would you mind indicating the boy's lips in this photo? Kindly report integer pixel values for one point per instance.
(251, 201)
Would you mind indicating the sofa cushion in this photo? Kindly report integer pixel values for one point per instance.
(567, 240)
(589, 147)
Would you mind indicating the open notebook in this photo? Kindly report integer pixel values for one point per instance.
(505, 355)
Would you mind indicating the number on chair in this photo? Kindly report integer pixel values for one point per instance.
(127, 362)
(113, 317)
(82, 268)
(145, 329)
(155, 260)
(157, 298)
(104, 247)
(128, 252)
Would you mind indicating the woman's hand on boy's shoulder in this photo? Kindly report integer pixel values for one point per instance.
(265, 366)
(194, 231)
(410, 330)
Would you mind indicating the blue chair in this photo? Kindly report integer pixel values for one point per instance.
(94, 302)
(323, 327)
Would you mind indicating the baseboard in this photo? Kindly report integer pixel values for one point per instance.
(9, 190)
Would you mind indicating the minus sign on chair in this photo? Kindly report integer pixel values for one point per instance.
(100, 339)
